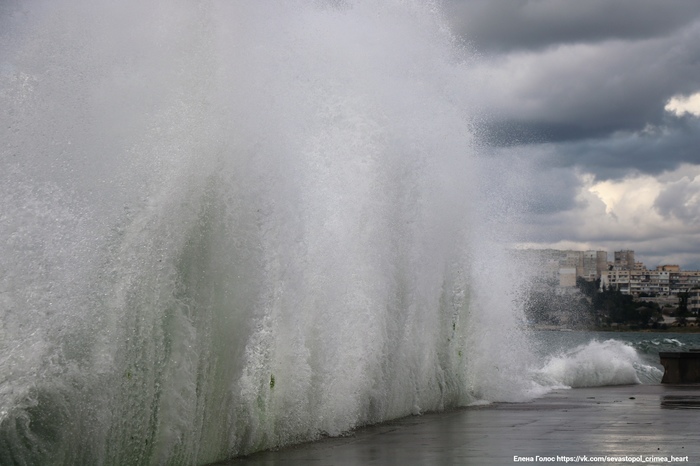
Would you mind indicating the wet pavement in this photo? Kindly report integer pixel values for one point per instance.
(632, 424)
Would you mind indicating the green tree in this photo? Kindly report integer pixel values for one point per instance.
(588, 288)
(682, 313)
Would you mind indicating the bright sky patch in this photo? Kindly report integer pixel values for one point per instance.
(680, 105)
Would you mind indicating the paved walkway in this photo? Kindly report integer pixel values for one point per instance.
(639, 421)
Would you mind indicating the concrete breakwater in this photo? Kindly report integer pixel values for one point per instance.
(681, 367)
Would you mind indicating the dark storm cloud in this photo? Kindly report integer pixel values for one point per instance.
(503, 25)
(578, 89)
(595, 92)
(589, 91)
(553, 190)
(681, 199)
(653, 151)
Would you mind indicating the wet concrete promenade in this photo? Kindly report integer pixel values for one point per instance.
(650, 424)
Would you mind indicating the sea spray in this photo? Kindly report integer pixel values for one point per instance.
(597, 363)
(229, 226)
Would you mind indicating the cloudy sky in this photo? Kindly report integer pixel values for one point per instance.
(602, 100)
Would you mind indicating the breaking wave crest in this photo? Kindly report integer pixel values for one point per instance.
(598, 363)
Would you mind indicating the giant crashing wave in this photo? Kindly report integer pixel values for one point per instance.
(229, 226)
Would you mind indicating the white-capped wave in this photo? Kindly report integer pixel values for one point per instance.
(594, 364)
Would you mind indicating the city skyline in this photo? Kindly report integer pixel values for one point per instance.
(598, 104)
(611, 256)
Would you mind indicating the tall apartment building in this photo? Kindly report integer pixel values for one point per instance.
(666, 280)
(594, 263)
(686, 279)
(694, 301)
(624, 260)
(623, 274)
(637, 281)
(565, 265)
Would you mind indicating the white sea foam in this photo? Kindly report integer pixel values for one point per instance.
(597, 363)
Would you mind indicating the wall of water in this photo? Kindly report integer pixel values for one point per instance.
(227, 226)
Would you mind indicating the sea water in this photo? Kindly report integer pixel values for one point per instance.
(590, 359)
(229, 226)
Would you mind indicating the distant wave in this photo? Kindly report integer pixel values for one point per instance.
(656, 345)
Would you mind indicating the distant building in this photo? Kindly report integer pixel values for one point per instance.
(567, 277)
(623, 274)
(624, 260)
(694, 301)
(637, 281)
(587, 264)
(594, 263)
(688, 279)
(669, 268)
